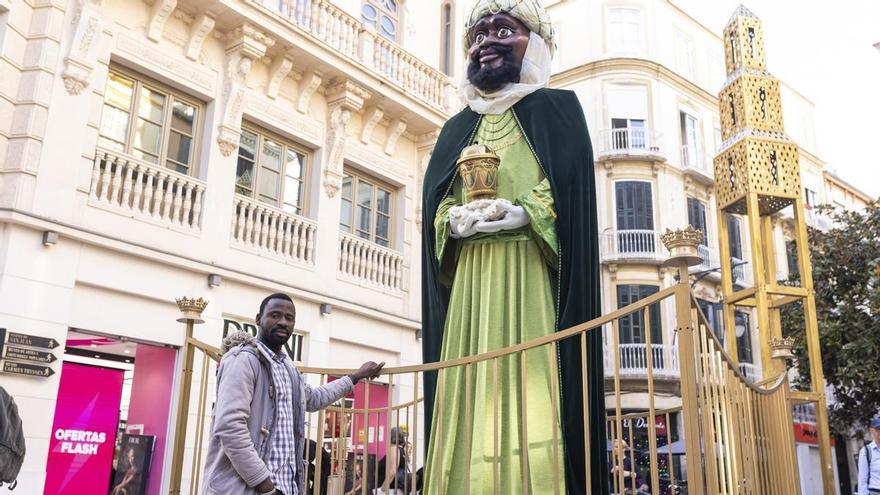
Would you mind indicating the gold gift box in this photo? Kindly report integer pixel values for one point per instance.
(478, 166)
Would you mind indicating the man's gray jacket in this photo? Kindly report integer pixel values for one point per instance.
(244, 419)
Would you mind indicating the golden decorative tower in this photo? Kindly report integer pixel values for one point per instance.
(756, 175)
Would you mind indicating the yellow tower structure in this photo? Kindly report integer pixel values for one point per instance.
(757, 174)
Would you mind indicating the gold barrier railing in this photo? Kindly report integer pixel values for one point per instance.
(748, 427)
(733, 436)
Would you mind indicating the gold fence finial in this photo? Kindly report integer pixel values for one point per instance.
(191, 309)
(782, 347)
(682, 245)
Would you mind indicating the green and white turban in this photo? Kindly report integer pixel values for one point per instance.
(530, 12)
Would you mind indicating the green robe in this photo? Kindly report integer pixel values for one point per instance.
(502, 294)
(555, 130)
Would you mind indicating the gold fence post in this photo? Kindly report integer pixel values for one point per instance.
(682, 245)
(191, 314)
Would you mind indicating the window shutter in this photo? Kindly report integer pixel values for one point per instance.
(645, 219)
(697, 217)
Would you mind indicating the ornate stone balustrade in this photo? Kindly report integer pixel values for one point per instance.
(259, 226)
(344, 33)
(368, 262)
(146, 190)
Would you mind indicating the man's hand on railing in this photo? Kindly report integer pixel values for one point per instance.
(367, 370)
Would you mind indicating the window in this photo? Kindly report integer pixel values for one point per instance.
(624, 30)
(810, 197)
(689, 135)
(366, 209)
(742, 323)
(382, 15)
(684, 55)
(734, 236)
(629, 133)
(712, 311)
(635, 217)
(150, 123)
(697, 217)
(271, 170)
(718, 140)
(632, 326)
(628, 111)
(446, 33)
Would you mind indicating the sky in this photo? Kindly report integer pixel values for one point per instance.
(824, 50)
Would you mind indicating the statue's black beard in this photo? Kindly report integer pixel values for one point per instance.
(488, 79)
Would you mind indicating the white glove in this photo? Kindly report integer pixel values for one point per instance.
(461, 222)
(515, 218)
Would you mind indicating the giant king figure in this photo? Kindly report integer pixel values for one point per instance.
(511, 268)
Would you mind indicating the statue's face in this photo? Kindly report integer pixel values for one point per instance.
(498, 44)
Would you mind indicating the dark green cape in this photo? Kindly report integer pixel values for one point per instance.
(553, 122)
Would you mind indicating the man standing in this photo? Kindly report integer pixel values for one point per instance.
(258, 432)
(869, 462)
(489, 284)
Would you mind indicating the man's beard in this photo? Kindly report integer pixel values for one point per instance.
(490, 79)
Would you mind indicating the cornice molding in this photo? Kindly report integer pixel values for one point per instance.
(638, 65)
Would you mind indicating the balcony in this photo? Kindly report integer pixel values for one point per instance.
(630, 143)
(631, 245)
(346, 35)
(368, 263)
(634, 361)
(742, 272)
(146, 191)
(264, 229)
(695, 165)
(710, 259)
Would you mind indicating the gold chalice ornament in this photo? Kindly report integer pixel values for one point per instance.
(478, 166)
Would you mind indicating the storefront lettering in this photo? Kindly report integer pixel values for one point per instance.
(83, 442)
(292, 346)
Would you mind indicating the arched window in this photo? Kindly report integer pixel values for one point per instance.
(446, 32)
(383, 15)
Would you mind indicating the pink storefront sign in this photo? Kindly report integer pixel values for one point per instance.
(84, 430)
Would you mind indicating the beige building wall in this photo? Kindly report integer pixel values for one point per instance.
(133, 235)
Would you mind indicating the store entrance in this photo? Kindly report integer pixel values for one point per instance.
(111, 416)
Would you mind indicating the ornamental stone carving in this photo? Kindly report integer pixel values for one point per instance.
(395, 130)
(426, 144)
(310, 83)
(371, 117)
(82, 53)
(199, 30)
(159, 14)
(244, 47)
(343, 98)
(278, 71)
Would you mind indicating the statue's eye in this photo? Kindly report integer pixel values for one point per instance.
(479, 38)
(504, 32)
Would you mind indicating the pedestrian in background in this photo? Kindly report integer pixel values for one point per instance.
(869, 462)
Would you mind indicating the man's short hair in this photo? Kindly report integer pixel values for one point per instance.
(875, 423)
(277, 295)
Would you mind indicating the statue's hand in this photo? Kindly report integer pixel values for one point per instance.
(515, 218)
(461, 223)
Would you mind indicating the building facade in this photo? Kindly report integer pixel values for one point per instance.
(152, 150)
(227, 150)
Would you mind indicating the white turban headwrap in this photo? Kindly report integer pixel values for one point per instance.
(535, 71)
